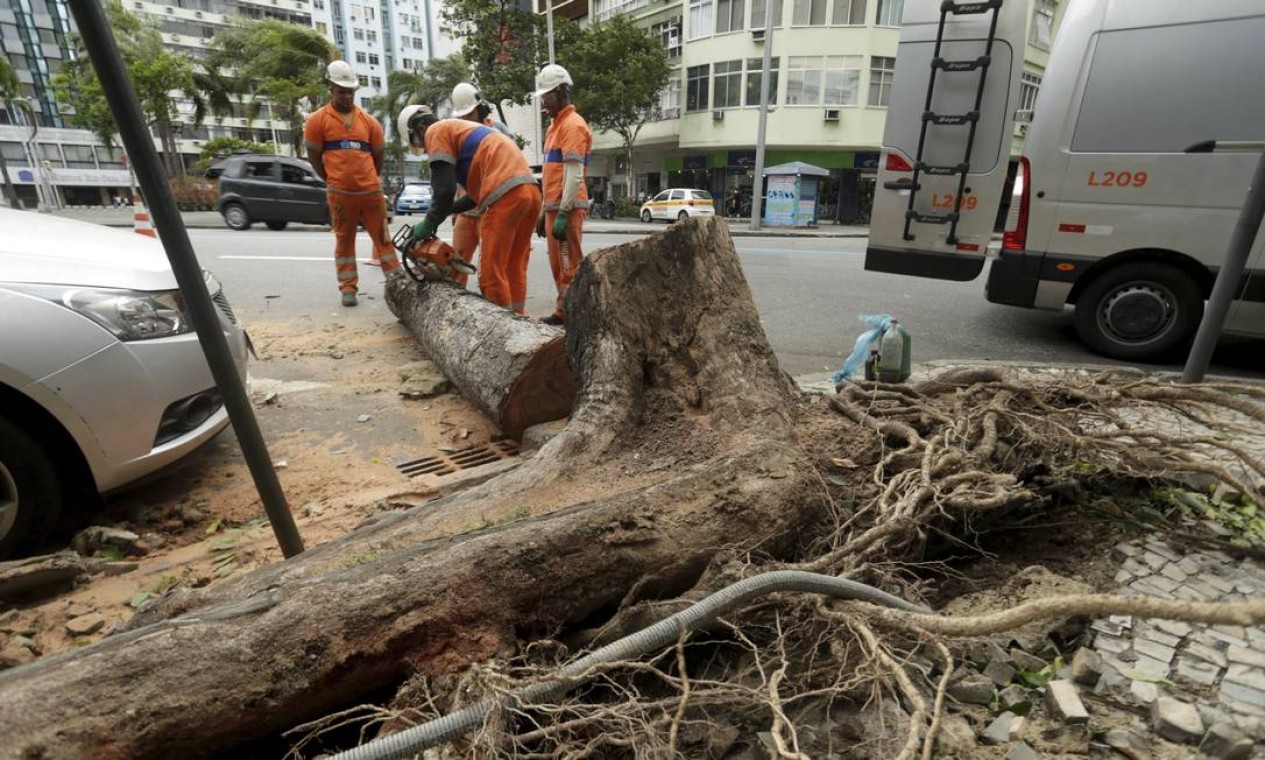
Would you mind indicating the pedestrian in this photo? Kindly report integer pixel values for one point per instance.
(468, 103)
(499, 185)
(346, 148)
(567, 146)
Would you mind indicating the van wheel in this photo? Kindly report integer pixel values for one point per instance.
(235, 217)
(278, 226)
(30, 496)
(1139, 311)
(646, 216)
(681, 217)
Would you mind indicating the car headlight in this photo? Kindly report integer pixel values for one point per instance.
(128, 314)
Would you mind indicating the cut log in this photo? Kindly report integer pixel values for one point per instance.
(512, 368)
(679, 454)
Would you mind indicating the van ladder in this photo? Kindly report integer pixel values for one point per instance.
(971, 118)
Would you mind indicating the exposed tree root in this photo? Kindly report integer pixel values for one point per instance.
(960, 450)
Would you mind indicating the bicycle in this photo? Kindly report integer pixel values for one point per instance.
(605, 209)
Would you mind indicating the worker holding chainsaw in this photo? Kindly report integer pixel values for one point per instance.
(499, 185)
(468, 103)
(567, 146)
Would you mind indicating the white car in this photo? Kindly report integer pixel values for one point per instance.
(677, 204)
(102, 379)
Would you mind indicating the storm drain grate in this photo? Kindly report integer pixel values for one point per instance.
(446, 463)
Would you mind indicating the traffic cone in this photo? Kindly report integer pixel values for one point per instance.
(141, 223)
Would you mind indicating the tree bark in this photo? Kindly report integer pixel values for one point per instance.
(678, 453)
(512, 368)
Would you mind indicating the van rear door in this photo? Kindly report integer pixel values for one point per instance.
(946, 143)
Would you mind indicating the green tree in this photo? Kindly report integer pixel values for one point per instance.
(218, 147)
(504, 46)
(284, 63)
(10, 91)
(159, 76)
(619, 72)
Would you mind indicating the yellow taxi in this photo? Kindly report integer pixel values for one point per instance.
(678, 203)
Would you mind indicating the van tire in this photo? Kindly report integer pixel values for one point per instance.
(30, 495)
(646, 216)
(681, 217)
(236, 217)
(1139, 311)
(277, 226)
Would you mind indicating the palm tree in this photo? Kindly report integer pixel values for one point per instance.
(10, 87)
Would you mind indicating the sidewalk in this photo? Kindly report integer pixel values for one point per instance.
(116, 217)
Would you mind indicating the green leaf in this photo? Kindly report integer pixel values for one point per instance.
(112, 553)
(214, 527)
(139, 598)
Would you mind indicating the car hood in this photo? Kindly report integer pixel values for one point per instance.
(50, 250)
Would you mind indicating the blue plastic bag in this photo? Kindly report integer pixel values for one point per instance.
(878, 325)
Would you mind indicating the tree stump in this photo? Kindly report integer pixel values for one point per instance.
(512, 368)
(679, 453)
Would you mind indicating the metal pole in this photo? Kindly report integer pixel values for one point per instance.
(549, 26)
(1229, 278)
(757, 183)
(102, 49)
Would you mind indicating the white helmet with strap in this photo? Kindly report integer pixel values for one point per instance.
(341, 74)
(550, 77)
(465, 98)
(407, 121)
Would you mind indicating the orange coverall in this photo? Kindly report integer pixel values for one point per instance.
(568, 139)
(496, 176)
(353, 188)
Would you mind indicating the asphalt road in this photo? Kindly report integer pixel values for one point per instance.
(809, 292)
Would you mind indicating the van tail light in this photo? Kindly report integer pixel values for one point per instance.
(1015, 237)
(897, 163)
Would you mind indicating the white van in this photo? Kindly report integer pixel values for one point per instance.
(1120, 207)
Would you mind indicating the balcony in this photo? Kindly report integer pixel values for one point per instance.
(572, 9)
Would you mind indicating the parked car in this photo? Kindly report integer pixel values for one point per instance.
(414, 198)
(676, 204)
(275, 190)
(102, 379)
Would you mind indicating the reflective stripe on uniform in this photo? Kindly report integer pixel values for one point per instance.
(348, 145)
(556, 156)
(555, 205)
(504, 188)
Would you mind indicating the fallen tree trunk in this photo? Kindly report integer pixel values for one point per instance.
(513, 369)
(679, 453)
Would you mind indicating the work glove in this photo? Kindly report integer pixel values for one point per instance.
(424, 230)
(540, 226)
(560, 226)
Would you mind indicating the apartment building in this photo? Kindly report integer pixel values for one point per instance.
(831, 75)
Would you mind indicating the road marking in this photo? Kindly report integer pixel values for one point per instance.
(277, 258)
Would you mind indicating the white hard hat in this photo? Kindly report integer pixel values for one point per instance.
(550, 77)
(341, 74)
(465, 98)
(405, 123)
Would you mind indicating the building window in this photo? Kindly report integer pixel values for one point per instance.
(374, 60)
(1042, 31)
(755, 73)
(700, 18)
(1029, 85)
(322, 27)
(339, 37)
(881, 72)
(757, 13)
(696, 88)
(670, 100)
(729, 14)
(803, 81)
(889, 12)
(809, 13)
(360, 56)
(363, 81)
(834, 80)
(843, 80)
(376, 82)
(850, 12)
(669, 33)
(318, 4)
(52, 155)
(112, 158)
(14, 154)
(80, 157)
(358, 34)
(371, 35)
(727, 89)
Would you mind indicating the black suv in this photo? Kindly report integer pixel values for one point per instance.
(275, 190)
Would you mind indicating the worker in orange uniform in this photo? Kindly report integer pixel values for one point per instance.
(346, 148)
(499, 185)
(567, 146)
(468, 103)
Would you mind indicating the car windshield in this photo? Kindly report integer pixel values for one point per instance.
(416, 191)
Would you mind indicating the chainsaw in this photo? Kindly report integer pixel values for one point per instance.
(429, 260)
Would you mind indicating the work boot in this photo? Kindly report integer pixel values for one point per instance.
(349, 299)
(552, 319)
